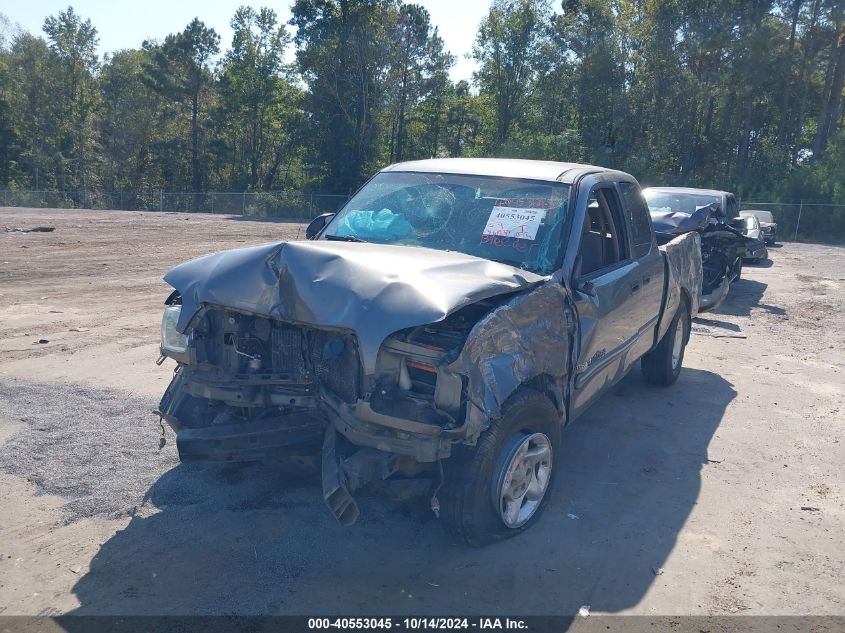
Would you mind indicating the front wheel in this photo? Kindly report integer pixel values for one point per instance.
(662, 365)
(499, 487)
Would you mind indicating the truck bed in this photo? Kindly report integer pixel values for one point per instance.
(682, 260)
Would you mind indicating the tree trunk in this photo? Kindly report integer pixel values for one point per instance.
(400, 126)
(803, 81)
(744, 147)
(829, 117)
(787, 74)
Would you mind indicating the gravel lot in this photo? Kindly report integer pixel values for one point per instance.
(723, 494)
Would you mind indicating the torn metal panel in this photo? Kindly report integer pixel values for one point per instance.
(675, 222)
(527, 337)
(371, 289)
(683, 256)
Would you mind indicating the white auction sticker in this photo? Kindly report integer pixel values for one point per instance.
(517, 222)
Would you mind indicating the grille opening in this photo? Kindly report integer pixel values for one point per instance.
(256, 348)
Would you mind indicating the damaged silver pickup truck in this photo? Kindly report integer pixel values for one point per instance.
(447, 322)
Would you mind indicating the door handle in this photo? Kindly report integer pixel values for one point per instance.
(635, 287)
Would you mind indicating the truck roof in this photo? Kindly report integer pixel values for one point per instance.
(550, 171)
(709, 192)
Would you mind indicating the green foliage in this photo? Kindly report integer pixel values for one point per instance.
(344, 55)
(512, 50)
(259, 104)
(732, 94)
(179, 71)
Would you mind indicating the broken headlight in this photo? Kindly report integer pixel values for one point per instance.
(172, 340)
(419, 371)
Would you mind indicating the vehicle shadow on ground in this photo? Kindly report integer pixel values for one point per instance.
(746, 295)
(258, 540)
(766, 263)
(732, 327)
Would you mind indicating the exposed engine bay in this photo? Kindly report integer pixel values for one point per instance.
(244, 371)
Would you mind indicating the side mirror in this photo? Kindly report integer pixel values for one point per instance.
(586, 287)
(317, 225)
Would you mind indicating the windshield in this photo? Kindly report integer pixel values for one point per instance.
(683, 202)
(516, 222)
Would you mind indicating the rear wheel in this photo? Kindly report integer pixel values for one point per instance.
(499, 487)
(662, 365)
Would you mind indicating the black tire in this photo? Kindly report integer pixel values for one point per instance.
(660, 367)
(471, 474)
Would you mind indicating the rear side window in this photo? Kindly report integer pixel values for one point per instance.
(642, 235)
(603, 242)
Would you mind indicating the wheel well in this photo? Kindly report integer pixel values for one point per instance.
(553, 388)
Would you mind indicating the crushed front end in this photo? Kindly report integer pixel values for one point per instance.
(377, 358)
(247, 387)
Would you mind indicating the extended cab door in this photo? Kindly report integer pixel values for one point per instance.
(607, 297)
(650, 268)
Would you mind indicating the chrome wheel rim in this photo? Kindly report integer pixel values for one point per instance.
(523, 479)
(678, 343)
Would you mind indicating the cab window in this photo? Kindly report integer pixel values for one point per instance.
(642, 237)
(603, 241)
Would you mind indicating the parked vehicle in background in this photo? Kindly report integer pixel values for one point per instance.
(709, 212)
(768, 226)
(755, 248)
(448, 320)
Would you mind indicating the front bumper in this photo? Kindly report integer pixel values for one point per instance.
(756, 251)
(714, 299)
(363, 426)
(251, 441)
(203, 433)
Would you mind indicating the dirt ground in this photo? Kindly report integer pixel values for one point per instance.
(722, 494)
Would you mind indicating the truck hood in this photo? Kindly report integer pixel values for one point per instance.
(372, 289)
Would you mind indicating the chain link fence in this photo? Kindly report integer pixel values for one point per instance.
(295, 205)
(804, 222)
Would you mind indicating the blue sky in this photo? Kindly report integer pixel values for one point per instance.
(127, 24)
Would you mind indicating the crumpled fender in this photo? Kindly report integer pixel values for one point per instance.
(526, 337)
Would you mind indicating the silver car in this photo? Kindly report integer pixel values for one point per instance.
(768, 226)
(755, 250)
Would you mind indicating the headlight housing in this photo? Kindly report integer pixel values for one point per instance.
(171, 339)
